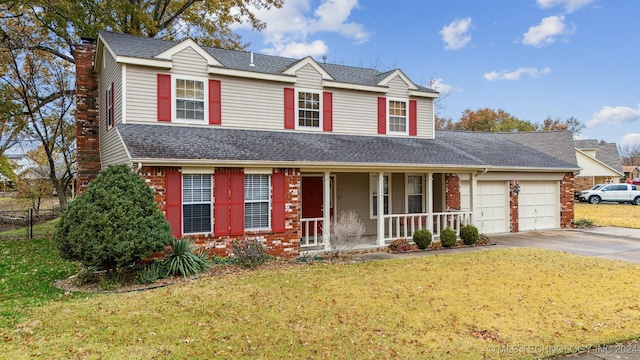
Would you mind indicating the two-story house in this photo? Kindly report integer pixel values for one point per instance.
(237, 144)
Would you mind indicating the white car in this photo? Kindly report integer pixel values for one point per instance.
(622, 193)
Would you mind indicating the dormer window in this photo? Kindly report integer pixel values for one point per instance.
(189, 99)
(309, 109)
(397, 117)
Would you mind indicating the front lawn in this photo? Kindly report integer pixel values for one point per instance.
(27, 268)
(530, 302)
(609, 214)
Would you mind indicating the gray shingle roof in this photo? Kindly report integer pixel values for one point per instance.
(173, 142)
(558, 144)
(607, 153)
(148, 48)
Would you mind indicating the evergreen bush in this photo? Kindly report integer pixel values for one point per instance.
(114, 223)
(422, 238)
(469, 234)
(448, 237)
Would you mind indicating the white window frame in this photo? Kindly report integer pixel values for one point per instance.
(268, 201)
(373, 185)
(320, 104)
(174, 99)
(406, 118)
(111, 114)
(406, 186)
(210, 202)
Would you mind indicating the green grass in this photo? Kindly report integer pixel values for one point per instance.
(27, 269)
(45, 229)
(457, 306)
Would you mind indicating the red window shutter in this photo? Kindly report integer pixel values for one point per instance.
(278, 202)
(106, 108)
(215, 108)
(413, 117)
(221, 204)
(164, 97)
(173, 183)
(236, 203)
(327, 111)
(289, 109)
(113, 106)
(382, 115)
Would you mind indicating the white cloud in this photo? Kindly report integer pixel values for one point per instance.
(546, 33)
(439, 86)
(569, 5)
(289, 27)
(614, 115)
(456, 34)
(515, 75)
(632, 139)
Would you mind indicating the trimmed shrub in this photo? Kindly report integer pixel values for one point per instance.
(250, 253)
(469, 234)
(399, 245)
(422, 238)
(448, 237)
(184, 260)
(114, 223)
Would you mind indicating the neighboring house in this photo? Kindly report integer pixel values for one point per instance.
(600, 163)
(631, 171)
(236, 144)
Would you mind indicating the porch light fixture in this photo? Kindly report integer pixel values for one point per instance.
(516, 188)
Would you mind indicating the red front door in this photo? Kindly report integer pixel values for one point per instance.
(312, 197)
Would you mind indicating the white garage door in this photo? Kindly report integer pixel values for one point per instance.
(538, 205)
(492, 207)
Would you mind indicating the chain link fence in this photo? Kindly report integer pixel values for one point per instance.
(28, 224)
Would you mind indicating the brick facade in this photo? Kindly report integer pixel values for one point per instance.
(583, 182)
(452, 189)
(87, 126)
(284, 244)
(566, 201)
(514, 225)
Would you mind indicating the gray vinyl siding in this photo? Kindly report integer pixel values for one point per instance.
(259, 104)
(352, 192)
(142, 92)
(397, 193)
(111, 148)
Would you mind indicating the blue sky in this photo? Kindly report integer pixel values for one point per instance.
(532, 58)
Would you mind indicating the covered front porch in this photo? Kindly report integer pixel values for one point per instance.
(407, 200)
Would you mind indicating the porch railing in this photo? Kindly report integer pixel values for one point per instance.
(404, 225)
(311, 229)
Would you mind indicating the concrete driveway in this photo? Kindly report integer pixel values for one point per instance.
(604, 242)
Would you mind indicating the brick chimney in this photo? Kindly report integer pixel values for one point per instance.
(87, 119)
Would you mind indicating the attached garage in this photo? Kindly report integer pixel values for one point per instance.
(538, 207)
(493, 207)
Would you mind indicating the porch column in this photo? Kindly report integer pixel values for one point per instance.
(473, 190)
(326, 211)
(430, 202)
(381, 209)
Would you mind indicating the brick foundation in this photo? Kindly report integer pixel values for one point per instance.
(514, 225)
(452, 189)
(284, 244)
(87, 138)
(566, 201)
(583, 182)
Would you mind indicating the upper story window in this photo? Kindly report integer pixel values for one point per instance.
(189, 99)
(309, 109)
(109, 106)
(257, 194)
(196, 203)
(397, 120)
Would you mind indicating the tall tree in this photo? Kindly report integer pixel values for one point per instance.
(630, 153)
(571, 124)
(38, 39)
(490, 120)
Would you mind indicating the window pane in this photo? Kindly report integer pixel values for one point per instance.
(414, 203)
(196, 218)
(308, 109)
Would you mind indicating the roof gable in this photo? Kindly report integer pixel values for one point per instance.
(189, 43)
(291, 70)
(392, 74)
(594, 167)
